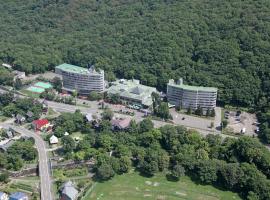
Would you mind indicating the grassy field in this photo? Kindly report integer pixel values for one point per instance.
(134, 187)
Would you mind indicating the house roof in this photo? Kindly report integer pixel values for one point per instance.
(17, 195)
(69, 190)
(7, 145)
(29, 114)
(89, 117)
(121, 123)
(20, 117)
(54, 139)
(40, 122)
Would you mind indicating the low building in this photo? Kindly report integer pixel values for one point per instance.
(18, 74)
(81, 79)
(41, 125)
(89, 117)
(19, 119)
(132, 92)
(3, 196)
(54, 139)
(4, 147)
(120, 124)
(68, 191)
(18, 196)
(186, 96)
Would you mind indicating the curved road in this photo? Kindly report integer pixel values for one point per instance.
(44, 171)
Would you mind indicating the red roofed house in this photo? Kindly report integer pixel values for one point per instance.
(119, 124)
(41, 125)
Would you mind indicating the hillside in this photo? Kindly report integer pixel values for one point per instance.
(213, 43)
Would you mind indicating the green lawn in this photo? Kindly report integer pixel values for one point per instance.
(30, 94)
(134, 187)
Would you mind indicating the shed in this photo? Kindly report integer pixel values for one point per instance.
(54, 140)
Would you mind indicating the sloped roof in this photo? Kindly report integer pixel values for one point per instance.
(121, 123)
(54, 139)
(89, 117)
(137, 90)
(69, 190)
(40, 122)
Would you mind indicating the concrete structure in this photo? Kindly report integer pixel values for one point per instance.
(192, 97)
(18, 196)
(3, 196)
(81, 79)
(68, 191)
(132, 92)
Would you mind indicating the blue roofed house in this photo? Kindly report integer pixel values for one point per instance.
(18, 196)
(3, 196)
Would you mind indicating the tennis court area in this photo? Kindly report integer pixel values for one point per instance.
(39, 87)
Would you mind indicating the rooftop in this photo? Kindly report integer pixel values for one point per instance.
(192, 88)
(133, 89)
(75, 69)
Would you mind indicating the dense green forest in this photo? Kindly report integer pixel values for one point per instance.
(216, 43)
(219, 43)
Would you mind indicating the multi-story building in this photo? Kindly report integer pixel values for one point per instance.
(132, 92)
(186, 96)
(81, 79)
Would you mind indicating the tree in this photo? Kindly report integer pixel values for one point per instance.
(189, 110)
(68, 143)
(114, 98)
(177, 171)
(199, 111)
(224, 123)
(4, 177)
(105, 171)
(125, 164)
(95, 96)
(208, 112)
(163, 111)
(107, 114)
(57, 84)
(75, 94)
(213, 113)
(207, 171)
(18, 84)
(146, 125)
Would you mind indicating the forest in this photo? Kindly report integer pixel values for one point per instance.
(209, 43)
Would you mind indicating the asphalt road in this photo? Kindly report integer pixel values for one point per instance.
(44, 171)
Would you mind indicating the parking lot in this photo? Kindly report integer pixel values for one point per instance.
(243, 123)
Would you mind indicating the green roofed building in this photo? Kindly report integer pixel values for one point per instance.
(186, 96)
(131, 91)
(81, 79)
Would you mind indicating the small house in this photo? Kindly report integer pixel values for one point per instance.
(19, 119)
(29, 114)
(89, 117)
(18, 196)
(3, 196)
(4, 147)
(41, 125)
(54, 140)
(68, 191)
(120, 124)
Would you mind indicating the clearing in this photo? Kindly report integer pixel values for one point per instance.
(132, 186)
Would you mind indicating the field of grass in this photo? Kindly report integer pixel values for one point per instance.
(30, 94)
(135, 187)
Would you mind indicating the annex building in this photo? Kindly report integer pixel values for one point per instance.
(132, 92)
(186, 96)
(81, 79)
